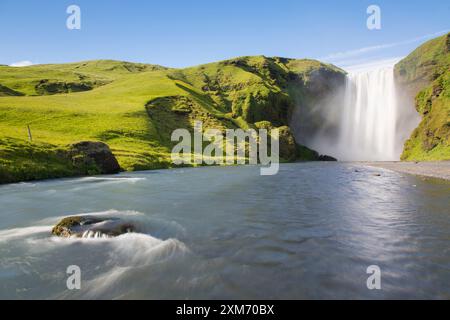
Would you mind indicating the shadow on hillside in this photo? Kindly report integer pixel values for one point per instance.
(166, 115)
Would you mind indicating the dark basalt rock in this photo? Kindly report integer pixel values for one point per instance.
(90, 227)
(327, 158)
(93, 158)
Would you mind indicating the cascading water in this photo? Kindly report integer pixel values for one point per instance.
(368, 124)
(367, 121)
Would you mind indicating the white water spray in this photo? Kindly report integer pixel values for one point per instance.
(372, 125)
(368, 124)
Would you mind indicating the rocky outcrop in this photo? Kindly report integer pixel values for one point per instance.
(91, 227)
(93, 158)
(289, 149)
(288, 145)
(49, 87)
(319, 99)
(326, 158)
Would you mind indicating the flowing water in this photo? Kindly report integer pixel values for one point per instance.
(368, 130)
(374, 121)
(226, 232)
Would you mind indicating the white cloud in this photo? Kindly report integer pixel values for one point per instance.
(337, 56)
(24, 63)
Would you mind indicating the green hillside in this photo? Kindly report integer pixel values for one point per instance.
(426, 74)
(135, 107)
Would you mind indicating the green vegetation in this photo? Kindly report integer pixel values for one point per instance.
(22, 161)
(427, 71)
(65, 78)
(135, 107)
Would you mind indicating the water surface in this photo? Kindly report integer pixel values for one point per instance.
(228, 233)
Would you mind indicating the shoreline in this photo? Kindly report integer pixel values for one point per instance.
(432, 169)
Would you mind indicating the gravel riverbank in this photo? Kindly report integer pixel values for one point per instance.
(439, 170)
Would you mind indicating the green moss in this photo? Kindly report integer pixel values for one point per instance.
(65, 227)
(267, 125)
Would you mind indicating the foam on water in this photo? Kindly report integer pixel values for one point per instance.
(127, 251)
(92, 182)
(112, 260)
(134, 251)
(79, 184)
(111, 179)
(17, 233)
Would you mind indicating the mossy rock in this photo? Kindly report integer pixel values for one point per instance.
(65, 227)
(92, 157)
(88, 226)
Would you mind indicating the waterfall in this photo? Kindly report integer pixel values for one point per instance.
(368, 120)
(367, 128)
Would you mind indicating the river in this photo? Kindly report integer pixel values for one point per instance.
(309, 232)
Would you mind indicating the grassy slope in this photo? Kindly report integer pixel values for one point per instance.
(29, 161)
(427, 71)
(96, 73)
(133, 107)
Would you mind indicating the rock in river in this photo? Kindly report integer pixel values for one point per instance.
(91, 227)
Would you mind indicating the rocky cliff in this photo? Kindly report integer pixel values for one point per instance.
(424, 76)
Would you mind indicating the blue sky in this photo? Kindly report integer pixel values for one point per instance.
(182, 33)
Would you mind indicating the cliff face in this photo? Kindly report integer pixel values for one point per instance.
(319, 99)
(255, 89)
(424, 76)
(134, 108)
(248, 90)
